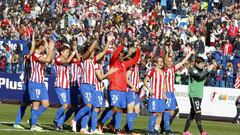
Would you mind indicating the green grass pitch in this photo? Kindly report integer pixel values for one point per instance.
(8, 113)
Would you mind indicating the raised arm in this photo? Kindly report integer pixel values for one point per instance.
(134, 60)
(33, 44)
(89, 51)
(200, 76)
(78, 57)
(169, 52)
(100, 55)
(49, 57)
(69, 59)
(179, 65)
(116, 54)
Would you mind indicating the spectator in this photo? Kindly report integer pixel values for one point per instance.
(232, 31)
(14, 63)
(230, 76)
(218, 55)
(212, 79)
(220, 82)
(3, 62)
(199, 45)
(227, 53)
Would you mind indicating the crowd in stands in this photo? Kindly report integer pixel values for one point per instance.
(211, 28)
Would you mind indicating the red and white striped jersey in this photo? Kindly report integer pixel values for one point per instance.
(62, 74)
(156, 83)
(237, 82)
(75, 71)
(134, 77)
(36, 68)
(99, 84)
(88, 73)
(80, 71)
(170, 78)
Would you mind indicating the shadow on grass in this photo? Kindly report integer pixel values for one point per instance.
(68, 128)
(143, 131)
(11, 125)
(27, 126)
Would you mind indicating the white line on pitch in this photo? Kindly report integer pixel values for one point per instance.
(21, 130)
(5, 122)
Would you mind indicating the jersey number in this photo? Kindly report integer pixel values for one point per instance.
(197, 104)
(154, 105)
(114, 99)
(168, 102)
(88, 96)
(100, 99)
(64, 97)
(38, 93)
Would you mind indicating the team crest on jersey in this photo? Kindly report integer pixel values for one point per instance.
(195, 71)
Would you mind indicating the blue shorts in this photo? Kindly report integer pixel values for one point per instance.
(87, 93)
(26, 96)
(74, 92)
(63, 95)
(99, 99)
(38, 91)
(171, 101)
(156, 105)
(118, 98)
(132, 97)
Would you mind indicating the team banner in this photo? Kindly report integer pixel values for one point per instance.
(12, 88)
(218, 102)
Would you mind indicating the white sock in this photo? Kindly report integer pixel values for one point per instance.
(156, 127)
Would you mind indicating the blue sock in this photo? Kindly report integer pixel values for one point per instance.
(68, 114)
(130, 119)
(85, 120)
(166, 119)
(81, 112)
(152, 121)
(34, 117)
(118, 120)
(94, 120)
(107, 116)
(20, 114)
(134, 116)
(59, 113)
(61, 120)
(112, 122)
(41, 109)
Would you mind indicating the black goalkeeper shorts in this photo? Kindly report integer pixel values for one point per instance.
(195, 104)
